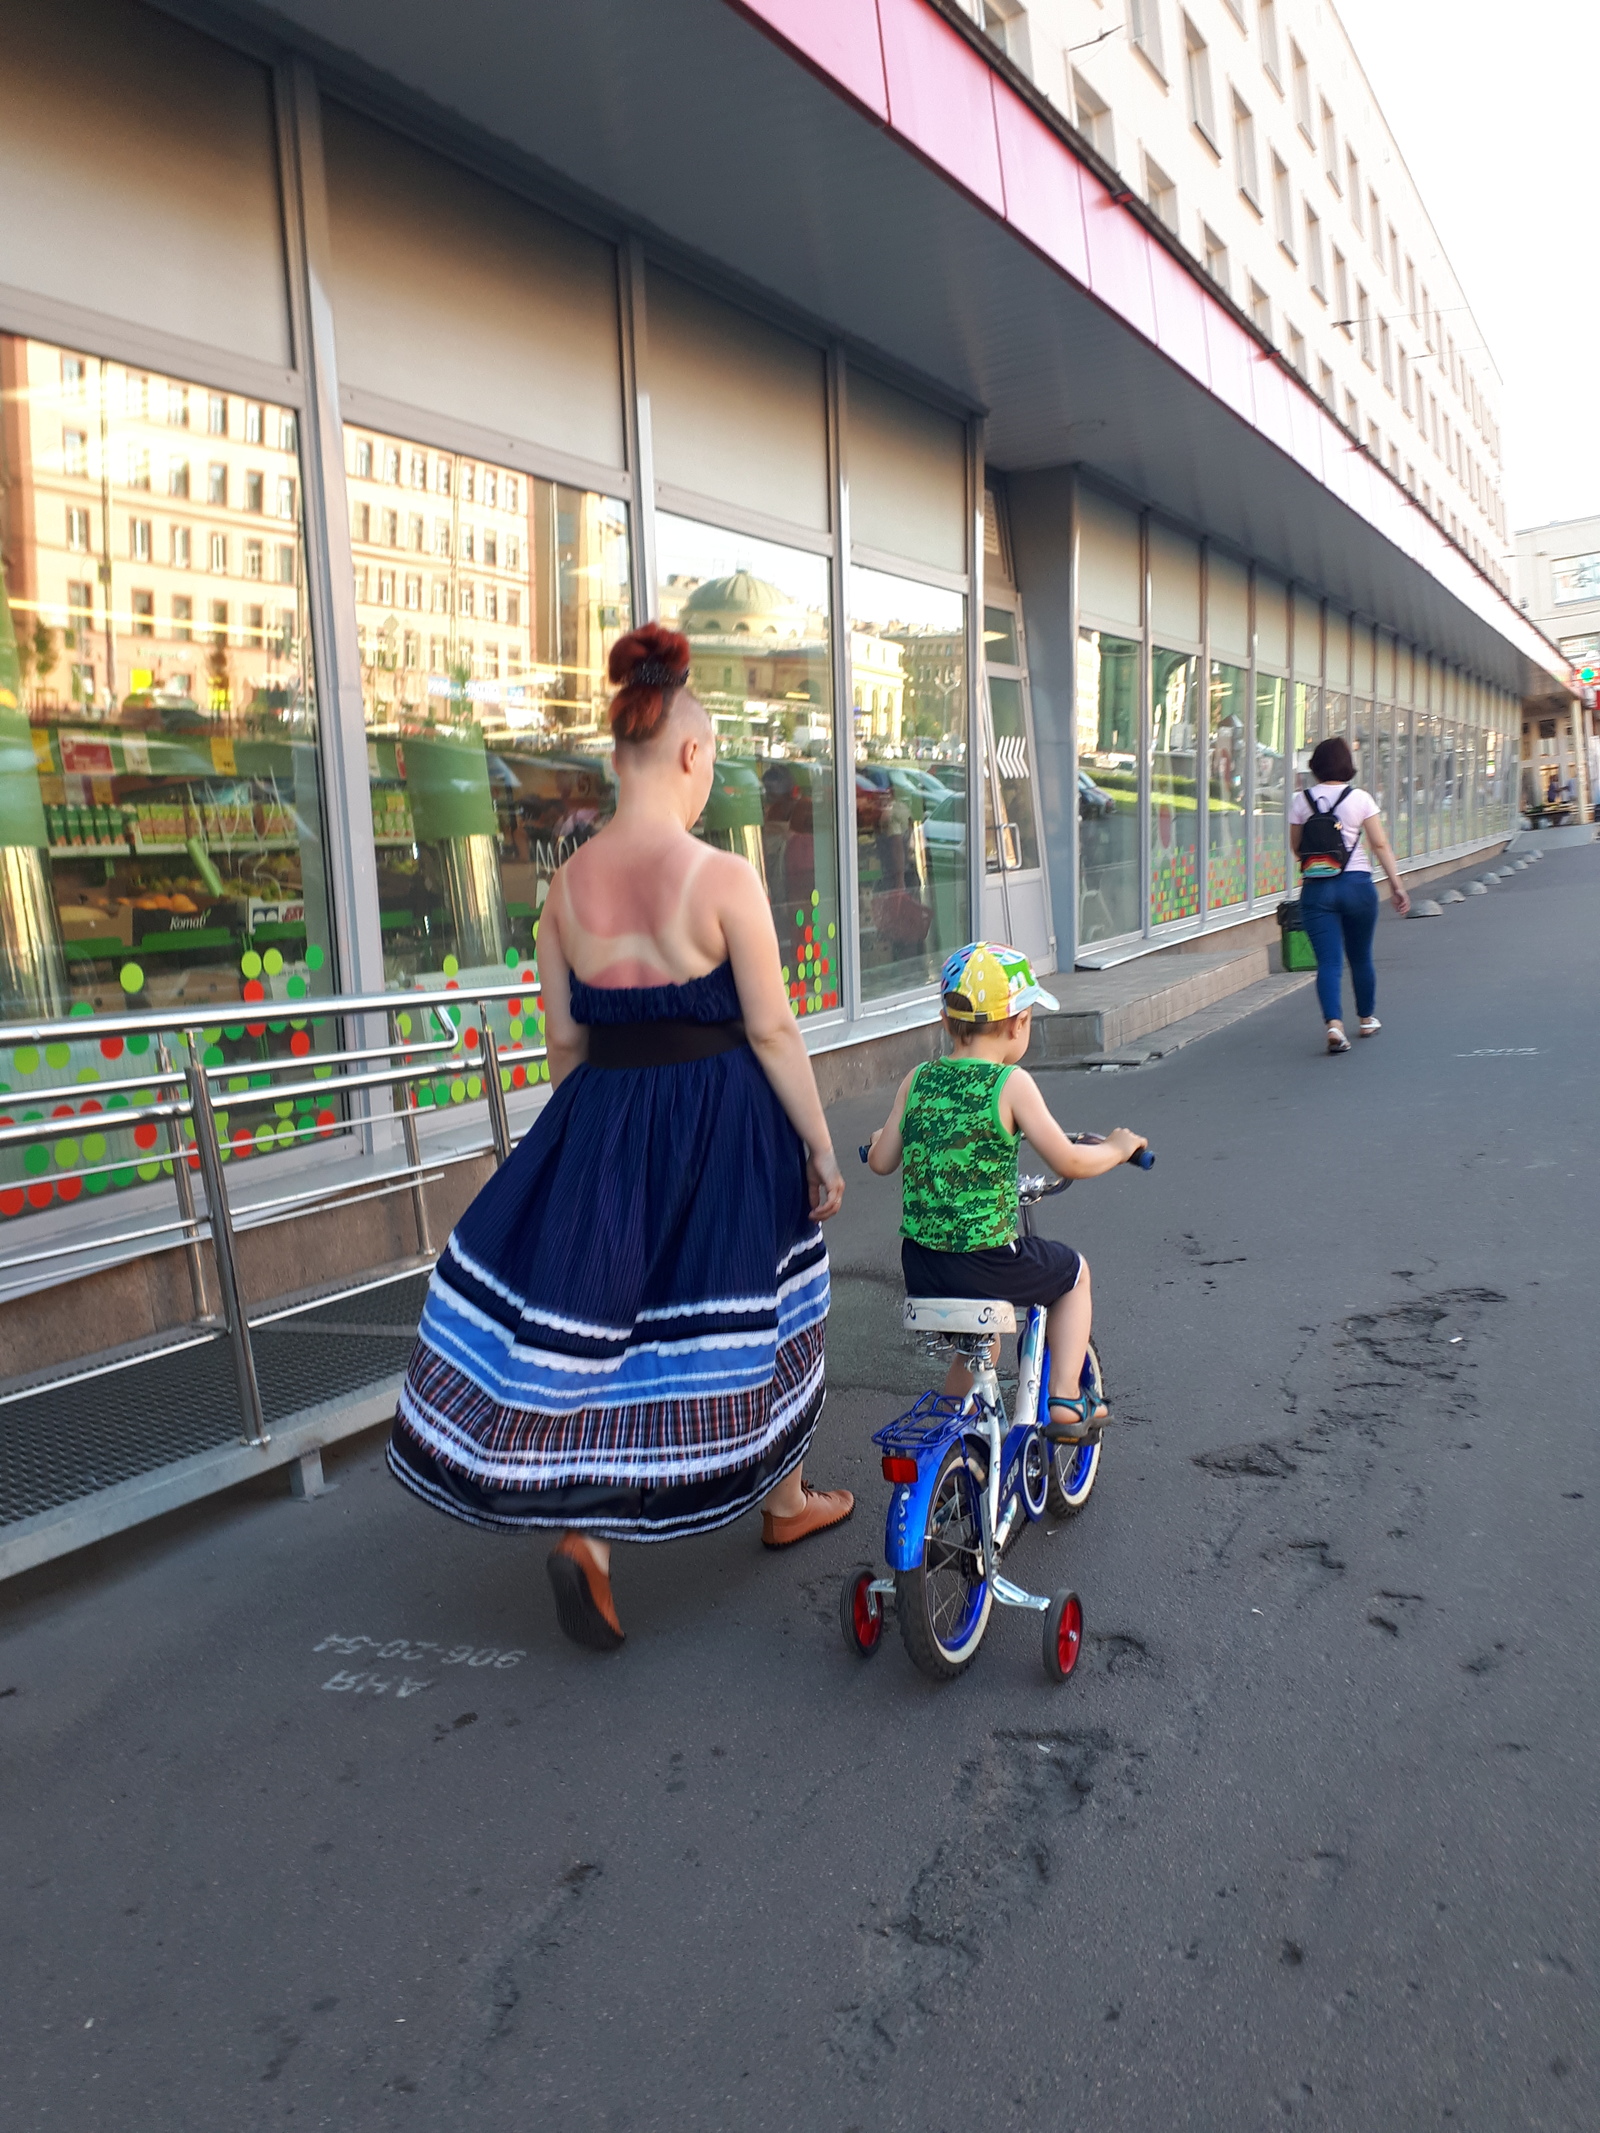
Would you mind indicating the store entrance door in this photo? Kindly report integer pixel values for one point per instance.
(1016, 898)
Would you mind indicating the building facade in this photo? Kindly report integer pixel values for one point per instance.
(1558, 586)
(1023, 556)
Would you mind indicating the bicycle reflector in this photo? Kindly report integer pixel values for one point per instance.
(896, 1467)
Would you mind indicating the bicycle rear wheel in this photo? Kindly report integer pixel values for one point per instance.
(943, 1604)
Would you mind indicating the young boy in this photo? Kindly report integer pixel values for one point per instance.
(957, 1123)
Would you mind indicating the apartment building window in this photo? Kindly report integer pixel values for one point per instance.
(413, 590)
(255, 625)
(391, 465)
(1375, 441)
(1005, 22)
(441, 536)
(1364, 325)
(416, 533)
(139, 543)
(1411, 477)
(386, 588)
(1302, 90)
(1260, 309)
(135, 396)
(1352, 185)
(286, 496)
(254, 492)
(419, 470)
(288, 432)
(80, 602)
(182, 617)
(361, 522)
(364, 458)
(1161, 193)
(439, 597)
(1385, 357)
(177, 477)
(1352, 415)
(254, 422)
(216, 483)
(144, 613)
(1144, 32)
(217, 414)
(252, 559)
(1215, 254)
(1267, 20)
(469, 544)
(178, 407)
(1283, 204)
(1433, 410)
(1197, 66)
(180, 548)
(391, 529)
(77, 529)
(1394, 259)
(1325, 391)
(219, 618)
(1426, 322)
(1330, 146)
(1315, 268)
(219, 555)
(1411, 291)
(1244, 153)
(1297, 349)
(1344, 318)
(491, 548)
(441, 476)
(136, 467)
(286, 570)
(1405, 381)
(74, 376)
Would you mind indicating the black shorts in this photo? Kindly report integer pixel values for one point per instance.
(1033, 1270)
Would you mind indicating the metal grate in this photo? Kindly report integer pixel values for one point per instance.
(65, 1442)
(391, 1303)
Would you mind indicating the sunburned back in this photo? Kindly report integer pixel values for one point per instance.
(628, 911)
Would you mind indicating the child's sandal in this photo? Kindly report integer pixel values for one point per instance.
(1091, 1416)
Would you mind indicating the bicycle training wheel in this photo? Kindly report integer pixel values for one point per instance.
(1074, 1468)
(1063, 1636)
(944, 1603)
(861, 1613)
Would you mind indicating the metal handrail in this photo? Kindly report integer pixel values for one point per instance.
(419, 1057)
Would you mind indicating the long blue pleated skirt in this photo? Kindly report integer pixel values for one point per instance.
(624, 1333)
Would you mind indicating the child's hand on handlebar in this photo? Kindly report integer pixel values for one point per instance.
(1126, 1143)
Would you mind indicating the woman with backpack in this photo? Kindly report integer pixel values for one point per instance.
(1335, 833)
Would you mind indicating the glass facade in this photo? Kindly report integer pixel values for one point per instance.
(908, 717)
(1108, 786)
(1227, 764)
(1174, 793)
(1271, 760)
(161, 820)
(761, 642)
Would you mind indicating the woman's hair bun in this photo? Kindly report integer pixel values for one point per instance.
(649, 666)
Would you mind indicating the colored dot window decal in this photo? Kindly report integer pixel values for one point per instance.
(57, 1055)
(132, 977)
(272, 962)
(27, 1060)
(139, 1045)
(111, 1047)
(450, 966)
(314, 957)
(250, 964)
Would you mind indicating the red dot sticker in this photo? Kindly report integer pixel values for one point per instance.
(472, 1040)
(255, 1029)
(300, 1043)
(111, 1047)
(144, 1136)
(252, 989)
(527, 977)
(325, 1123)
(69, 1188)
(519, 1077)
(12, 1202)
(40, 1195)
(242, 1141)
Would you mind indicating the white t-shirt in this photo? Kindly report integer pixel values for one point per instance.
(1359, 808)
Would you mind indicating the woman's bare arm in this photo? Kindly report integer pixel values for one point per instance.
(1381, 849)
(566, 1041)
(746, 920)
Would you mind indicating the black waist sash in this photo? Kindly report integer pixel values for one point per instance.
(665, 1043)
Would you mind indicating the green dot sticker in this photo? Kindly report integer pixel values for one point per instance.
(212, 1055)
(511, 959)
(35, 1159)
(66, 1153)
(250, 963)
(815, 899)
(297, 988)
(57, 1055)
(132, 977)
(272, 962)
(799, 918)
(450, 966)
(26, 1060)
(94, 1148)
(139, 1045)
(314, 956)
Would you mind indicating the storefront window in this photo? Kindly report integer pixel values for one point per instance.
(1174, 797)
(757, 619)
(1228, 754)
(1402, 832)
(1271, 758)
(1108, 786)
(160, 814)
(908, 684)
(1383, 764)
(487, 601)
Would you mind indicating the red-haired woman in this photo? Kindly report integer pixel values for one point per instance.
(623, 1336)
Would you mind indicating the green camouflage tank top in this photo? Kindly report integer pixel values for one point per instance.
(960, 1191)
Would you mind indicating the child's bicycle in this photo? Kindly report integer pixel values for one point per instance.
(965, 1485)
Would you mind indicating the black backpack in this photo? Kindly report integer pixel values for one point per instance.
(1321, 836)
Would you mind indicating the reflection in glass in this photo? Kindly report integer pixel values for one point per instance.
(487, 602)
(1013, 776)
(1174, 804)
(1108, 786)
(1304, 707)
(1383, 762)
(908, 684)
(1272, 693)
(757, 619)
(1000, 638)
(1228, 744)
(160, 817)
(1402, 834)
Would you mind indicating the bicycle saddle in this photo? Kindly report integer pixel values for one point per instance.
(958, 1314)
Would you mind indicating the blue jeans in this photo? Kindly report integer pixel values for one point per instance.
(1340, 914)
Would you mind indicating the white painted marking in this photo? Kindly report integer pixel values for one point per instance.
(427, 1648)
(1510, 1051)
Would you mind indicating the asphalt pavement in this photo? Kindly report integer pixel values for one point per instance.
(308, 1814)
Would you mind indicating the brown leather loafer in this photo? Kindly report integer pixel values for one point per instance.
(584, 1606)
(823, 1508)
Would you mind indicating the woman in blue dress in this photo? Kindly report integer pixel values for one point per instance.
(623, 1337)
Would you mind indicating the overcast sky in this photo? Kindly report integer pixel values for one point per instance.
(1494, 110)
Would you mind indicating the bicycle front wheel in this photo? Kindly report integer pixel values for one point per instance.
(944, 1603)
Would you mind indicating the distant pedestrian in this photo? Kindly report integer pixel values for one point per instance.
(623, 1337)
(1335, 832)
